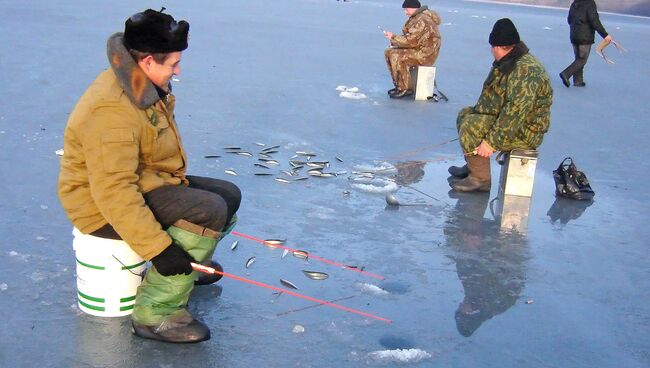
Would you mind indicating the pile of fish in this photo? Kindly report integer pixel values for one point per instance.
(300, 166)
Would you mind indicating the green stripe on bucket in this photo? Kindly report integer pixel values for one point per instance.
(90, 266)
(124, 300)
(91, 298)
(101, 309)
(134, 266)
(129, 307)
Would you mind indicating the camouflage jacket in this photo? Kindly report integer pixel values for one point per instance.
(420, 32)
(515, 101)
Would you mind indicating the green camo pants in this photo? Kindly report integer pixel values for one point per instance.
(472, 129)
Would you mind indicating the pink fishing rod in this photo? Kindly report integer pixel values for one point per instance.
(210, 270)
(236, 233)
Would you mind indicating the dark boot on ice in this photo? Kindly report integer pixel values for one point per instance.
(392, 91)
(459, 171)
(401, 93)
(180, 328)
(478, 180)
(565, 80)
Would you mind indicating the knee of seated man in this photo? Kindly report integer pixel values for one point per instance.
(211, 212)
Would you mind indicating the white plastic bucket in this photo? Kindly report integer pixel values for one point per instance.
(108, 275)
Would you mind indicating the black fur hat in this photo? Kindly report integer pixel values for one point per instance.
(153, 31)
(411, 4)
(504, 33)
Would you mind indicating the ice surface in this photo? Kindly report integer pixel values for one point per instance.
(265, 71)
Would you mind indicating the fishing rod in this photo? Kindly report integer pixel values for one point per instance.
(209, 270)
(273, 245)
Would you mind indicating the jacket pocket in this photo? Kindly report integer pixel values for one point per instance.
(119, 151)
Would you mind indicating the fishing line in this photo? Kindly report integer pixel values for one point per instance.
(313, 306)
(210, 270)
(236, 233)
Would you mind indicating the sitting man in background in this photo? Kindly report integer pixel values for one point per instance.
(512, 112)
(123, 175)
(419, 45)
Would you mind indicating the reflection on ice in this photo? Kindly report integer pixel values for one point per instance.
(490, 264)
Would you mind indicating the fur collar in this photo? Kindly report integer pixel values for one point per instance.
(134, 82)
(506, 64)
(420, 10)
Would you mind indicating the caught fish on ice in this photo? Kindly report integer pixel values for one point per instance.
(231, 172)
(234, 245)
(288, 284)
(315, 275)
(250, 261)
(301, 254)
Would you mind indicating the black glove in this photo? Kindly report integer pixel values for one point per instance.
(173, 261)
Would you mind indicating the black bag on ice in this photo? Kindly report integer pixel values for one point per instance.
(571, 182)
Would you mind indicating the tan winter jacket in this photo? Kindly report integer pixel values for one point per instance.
(420, 33)
(120, 141)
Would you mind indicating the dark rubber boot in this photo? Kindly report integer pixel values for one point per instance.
(181, 331)
(478, 180)
(205, 279)
(392, 91)
(402, 93)
(459, 171)
(565, 80)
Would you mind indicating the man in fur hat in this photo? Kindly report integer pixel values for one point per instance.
(418, 45)
(512, 112)
(123, 175)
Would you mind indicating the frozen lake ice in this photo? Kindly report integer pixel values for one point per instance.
(572, 291)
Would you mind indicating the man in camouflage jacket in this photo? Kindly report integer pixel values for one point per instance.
(419, 45)
(512, 112)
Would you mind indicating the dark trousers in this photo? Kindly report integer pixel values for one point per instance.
(575, 70)
(206, 202)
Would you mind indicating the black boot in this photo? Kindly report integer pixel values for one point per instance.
(180, 331)
(459, 171)
(392, 91)
(565, 81)
(205, 279)
(401, 93)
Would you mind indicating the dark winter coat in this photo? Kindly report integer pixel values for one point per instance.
(583, 21)
(121, 141)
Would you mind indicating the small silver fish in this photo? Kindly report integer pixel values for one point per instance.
(315, 172)
(282, 180)
(297, 167)
(270, 152)
(301, 254)
(232, 148)
(260, 144)
(211, 156)
(270, 148)
(230, 172)
(288, 284)
(272, 162)
(263, 155)
(326, 175)
(261, 165)
(301, 178)
(244, 153)
(250, 261)
(274, 242)
(315, 275)
(339, 159)
(305, 153)
(284, 254)
(234, 245)
(287, 173)
(263, 174)
(315, 165)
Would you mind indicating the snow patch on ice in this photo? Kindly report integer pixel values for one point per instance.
(400, 355)
(350, 92)
(548, 28)
(322, 213)
(352, 95)
(390, 187)
(4, 287)
(13, 253)
(298, 329)
(383, 168)
(372, 289)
